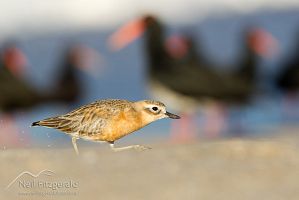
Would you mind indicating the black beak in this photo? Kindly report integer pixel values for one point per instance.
(172, 116)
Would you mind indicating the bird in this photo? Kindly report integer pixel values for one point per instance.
(287, 81)
(186, 81)
(17, 94)
(108, 120)
(187, 74)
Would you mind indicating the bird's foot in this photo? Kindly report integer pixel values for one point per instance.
(135, 147)
(140, 147)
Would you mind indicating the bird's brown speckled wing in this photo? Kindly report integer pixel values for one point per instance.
(87, 120)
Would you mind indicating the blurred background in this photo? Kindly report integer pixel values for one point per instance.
(229, 69)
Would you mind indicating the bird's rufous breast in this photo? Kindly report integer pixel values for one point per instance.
(122, 124)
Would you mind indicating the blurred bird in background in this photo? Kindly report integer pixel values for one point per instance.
(12, 66)
(288, 83)
(183, 78)
(17, 95)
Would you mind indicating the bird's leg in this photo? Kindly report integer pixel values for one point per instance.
(216, 120)
(185, 129)
(136, 147)
(74, 139)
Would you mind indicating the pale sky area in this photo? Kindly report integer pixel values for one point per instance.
(19, 17)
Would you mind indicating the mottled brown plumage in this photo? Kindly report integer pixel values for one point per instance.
(107, 120)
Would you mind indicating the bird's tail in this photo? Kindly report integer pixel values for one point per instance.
(35, 123)
(52, 122)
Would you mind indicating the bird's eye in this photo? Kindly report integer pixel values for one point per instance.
(155, 108)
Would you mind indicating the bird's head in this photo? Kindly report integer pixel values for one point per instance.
(261, 42)
(153, 110)
(131, 31)
(85, 59)
(14, 59)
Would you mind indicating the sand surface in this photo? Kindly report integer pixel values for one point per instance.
(224, 169)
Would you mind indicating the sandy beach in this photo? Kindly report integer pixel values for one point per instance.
(264, 168)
